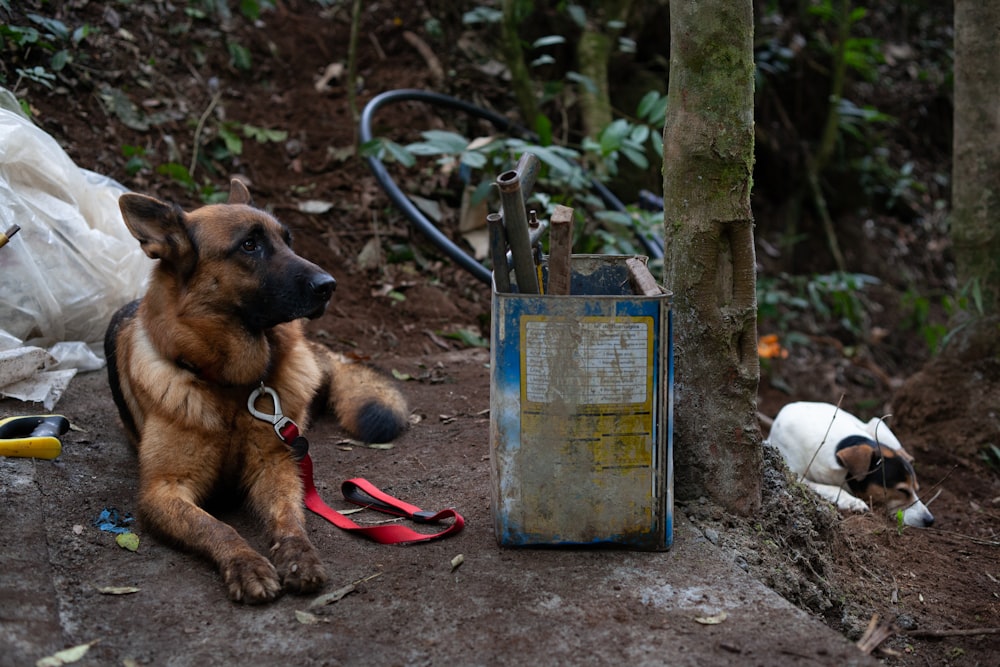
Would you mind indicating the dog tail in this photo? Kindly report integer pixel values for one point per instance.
(364, 399)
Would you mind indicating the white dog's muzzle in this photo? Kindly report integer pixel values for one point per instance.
(918, 516)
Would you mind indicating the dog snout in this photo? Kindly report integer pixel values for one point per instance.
(918, 516)
(322, 286)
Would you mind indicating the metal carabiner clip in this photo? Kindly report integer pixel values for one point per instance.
(278, 420)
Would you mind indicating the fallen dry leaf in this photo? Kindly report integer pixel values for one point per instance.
(306, 618)
(117, 590)
(712, 620)
(66, 656)
(128, 541)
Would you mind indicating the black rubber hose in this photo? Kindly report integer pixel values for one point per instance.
(419, 220)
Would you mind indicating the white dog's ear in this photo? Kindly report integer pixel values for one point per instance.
(857, 459)
(880, 432)
(905, 455)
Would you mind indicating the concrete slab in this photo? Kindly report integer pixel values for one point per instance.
(500, 607)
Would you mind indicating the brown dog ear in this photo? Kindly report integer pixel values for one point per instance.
(159, 228)
(238, 193)
(857, 459)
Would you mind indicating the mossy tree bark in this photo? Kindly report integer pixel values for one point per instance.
(975, 217)
(710, 260)
(520, 78)
(593, 53)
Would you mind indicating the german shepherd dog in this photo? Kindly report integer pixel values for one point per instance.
(223, 317)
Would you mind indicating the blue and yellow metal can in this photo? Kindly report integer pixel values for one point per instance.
(581, 413)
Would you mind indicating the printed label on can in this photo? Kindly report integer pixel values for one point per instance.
(587, 422)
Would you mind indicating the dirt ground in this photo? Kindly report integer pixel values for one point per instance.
(940, 587)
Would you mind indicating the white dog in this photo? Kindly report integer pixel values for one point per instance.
(845, 460)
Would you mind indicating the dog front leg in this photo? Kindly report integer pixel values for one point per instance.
(275, 493)
(837, 496)
(169, 508)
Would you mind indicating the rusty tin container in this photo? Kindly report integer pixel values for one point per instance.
(581, 413)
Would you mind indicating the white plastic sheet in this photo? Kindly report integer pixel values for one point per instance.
(73, 263)
(69, 268)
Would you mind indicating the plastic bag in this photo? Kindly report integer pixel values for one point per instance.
(73, 263)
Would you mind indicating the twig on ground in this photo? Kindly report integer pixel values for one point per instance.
(199, 127)
(876, 633)
(433, 64)
(960, 632)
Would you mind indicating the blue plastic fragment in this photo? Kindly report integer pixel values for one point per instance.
(109, 520)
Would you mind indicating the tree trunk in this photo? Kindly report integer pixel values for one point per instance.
(520, 78)
(593, 53)
(710, 260)
(975, 229)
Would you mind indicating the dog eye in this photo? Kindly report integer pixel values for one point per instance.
(249, 245)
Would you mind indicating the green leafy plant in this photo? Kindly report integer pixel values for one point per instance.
(225, 147)
(231, 135)
(960, 310)
(990, 454)
(136, 159)
(563, 179)
(466, 337)
(629, 139)
(40, 51)
(825, 299)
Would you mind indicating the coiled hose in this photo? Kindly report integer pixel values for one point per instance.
(653, 247)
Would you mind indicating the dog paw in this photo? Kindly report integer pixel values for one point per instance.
(853, 505)
(251, 578)
(299, 565)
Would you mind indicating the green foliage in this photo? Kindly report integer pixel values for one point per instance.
(918, 318)
(136, 159)
(822, 300)
(563, 180)
(938, 321)
(225, 147)
(990, 454)
(634, 140)
(205, 10)
(466, 337)
(252, 9)
(239, 56)
(623, 137)
(860, 54)
(880, 180)
(229, 144)
(482, 14)
(833, 38)
(39, 52)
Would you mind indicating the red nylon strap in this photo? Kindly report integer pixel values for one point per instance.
(362, 492)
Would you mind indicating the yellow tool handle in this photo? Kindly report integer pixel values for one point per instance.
(43, 447)
(36, 436)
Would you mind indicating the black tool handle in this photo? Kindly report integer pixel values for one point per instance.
(50, 425)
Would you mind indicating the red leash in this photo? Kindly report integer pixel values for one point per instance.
(362, 492)
(358, 491)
